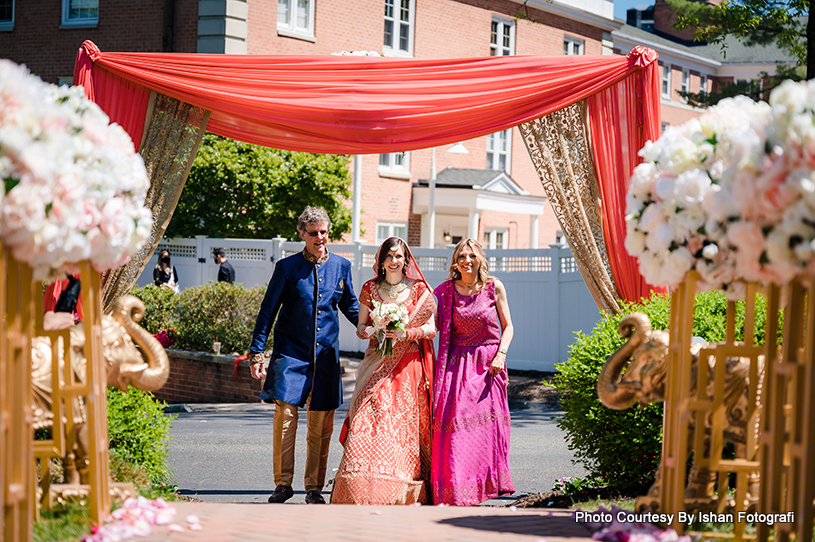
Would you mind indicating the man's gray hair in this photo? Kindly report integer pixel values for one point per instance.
(312, 215)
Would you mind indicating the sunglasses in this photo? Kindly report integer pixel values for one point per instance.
(321, 233)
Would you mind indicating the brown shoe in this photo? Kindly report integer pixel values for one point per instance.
(314, 497)
(281, 494)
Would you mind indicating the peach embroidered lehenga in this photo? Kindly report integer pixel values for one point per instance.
(386, 434)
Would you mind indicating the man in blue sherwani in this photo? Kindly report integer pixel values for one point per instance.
(308, 289)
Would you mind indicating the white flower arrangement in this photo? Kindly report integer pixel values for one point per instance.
(388, 317)
(73, 186)
(730, 194)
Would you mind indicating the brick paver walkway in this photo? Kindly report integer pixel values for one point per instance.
(346, 523)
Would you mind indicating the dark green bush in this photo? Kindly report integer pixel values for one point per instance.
(623, 447)
(138, 431)
(200, 315)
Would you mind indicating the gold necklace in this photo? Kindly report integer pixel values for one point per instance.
(393, 290)
(470, 285)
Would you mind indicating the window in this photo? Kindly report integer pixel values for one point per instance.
(498, 150)
(685, 84)
(80, 12)
(495, 238)
(666, 81)
(572, 46)
(502, 38)
(390, 229)
(295, 18)
(399, 26)
(395, 164)
(6, 14)
(703, 83)
(662, 127)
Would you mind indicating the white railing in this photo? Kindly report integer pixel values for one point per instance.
(547, 296)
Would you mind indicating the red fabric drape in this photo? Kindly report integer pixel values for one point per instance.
(124, 101)
(619, 127)
(370, 105)
(358, 105)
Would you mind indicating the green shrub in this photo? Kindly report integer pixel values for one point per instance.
(159, 303)
(138, 431)
(200, 315)
(623, 447)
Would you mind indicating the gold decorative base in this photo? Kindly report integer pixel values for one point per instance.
(61, 494)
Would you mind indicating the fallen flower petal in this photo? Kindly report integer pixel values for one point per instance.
(195, 527)
(192, 519)
(175, 528)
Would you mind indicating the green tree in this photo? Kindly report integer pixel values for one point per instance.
(788, 24)
(237, 189)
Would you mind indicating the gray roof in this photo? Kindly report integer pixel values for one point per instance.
(463, 178)
(735, 52)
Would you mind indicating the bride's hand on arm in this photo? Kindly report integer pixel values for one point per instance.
(364, 317)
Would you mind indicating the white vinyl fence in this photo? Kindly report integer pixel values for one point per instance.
(547, 296)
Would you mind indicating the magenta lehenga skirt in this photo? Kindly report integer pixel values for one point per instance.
(471, 430)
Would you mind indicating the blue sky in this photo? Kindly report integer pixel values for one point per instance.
(620, 6)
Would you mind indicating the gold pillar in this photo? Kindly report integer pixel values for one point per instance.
(17, 463)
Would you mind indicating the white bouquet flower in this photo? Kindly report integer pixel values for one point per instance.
(388, 317)
(73, 186)
(730, 194)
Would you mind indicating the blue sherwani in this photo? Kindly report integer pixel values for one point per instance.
(305, 357)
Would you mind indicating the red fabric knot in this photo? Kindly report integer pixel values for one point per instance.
(642, 56)
(92, 50)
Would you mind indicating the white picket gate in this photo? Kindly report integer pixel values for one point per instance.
(547, 296)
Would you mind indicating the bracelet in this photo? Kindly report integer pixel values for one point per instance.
(256, 358)
(414, 334)
(503, 351)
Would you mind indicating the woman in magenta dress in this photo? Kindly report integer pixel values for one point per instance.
(471, 412)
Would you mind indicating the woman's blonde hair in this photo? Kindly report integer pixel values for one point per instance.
(483, 267)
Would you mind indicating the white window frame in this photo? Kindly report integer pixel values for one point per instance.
(685, 83)
(703, 83)
(573, 46)
(500, 25)
(494, 156)
(85, 22)
(665, 88)
(288, 27)
(392, 167)
(392, 226)
(397, 23)
(9, 25)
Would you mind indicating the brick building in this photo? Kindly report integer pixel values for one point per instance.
(686, 65)
(492, 192)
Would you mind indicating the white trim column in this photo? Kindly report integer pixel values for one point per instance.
(534, 230)
(472, 231)
(355, 220)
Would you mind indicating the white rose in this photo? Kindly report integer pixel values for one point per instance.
(635, 242)
(660, 238)
(651, 218)
(680, 156)
(710, 251)
(677, 266)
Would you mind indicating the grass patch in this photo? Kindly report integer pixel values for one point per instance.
(66, 523)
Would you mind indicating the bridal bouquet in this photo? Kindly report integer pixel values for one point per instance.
(730, 194)
(388, 317)
(73, 187)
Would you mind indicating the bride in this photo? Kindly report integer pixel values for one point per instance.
(386, 434)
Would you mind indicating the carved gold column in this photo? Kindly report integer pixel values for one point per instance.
(787, 438)
(99, 472)
(17, 469)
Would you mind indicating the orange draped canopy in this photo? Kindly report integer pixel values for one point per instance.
(370, 105)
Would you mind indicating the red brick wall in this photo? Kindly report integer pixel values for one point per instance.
(48, 51)
(196, 377)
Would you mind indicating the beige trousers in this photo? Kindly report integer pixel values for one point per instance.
(320, 426)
